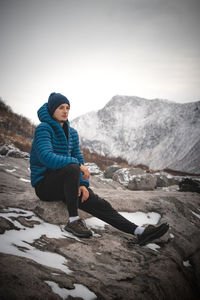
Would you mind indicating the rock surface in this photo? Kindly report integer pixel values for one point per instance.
(109, 265)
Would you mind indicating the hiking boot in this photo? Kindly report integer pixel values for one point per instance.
(78, 228)
(151, 233)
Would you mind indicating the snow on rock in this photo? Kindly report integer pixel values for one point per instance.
(12, 151)
(195, 214)
(164, 179)
(135, 179)
(79, 291)
(93, 168)
(145, 182)
(153, 246)
(10, 170)
(125, 175)
(139, 218)
(24, 179)
(19, 242)
(186, 263)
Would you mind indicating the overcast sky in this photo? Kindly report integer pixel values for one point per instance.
(91, 50)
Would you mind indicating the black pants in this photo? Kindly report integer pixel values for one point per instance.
(63, 184)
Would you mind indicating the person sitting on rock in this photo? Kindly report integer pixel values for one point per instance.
(58, 172)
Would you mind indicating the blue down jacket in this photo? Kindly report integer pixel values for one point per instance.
(50, 148)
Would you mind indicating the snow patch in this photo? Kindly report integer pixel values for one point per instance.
(93, 169)
(139, 218)
(25, 180)
(10, 170)
(79, 291)
(195, 214)
(18, 242)
(95, 223)
(153, 246)
(186, 263)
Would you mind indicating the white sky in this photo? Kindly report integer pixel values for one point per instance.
(91, 50)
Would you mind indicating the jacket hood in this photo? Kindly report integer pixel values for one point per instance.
(44, 116)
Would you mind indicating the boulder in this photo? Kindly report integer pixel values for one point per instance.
(162, 180)
(145, 182)
(125, 175)
(189, 185)
(12, 151)
(17, 153)
(109, 172)
(166, 180)
(4, 149)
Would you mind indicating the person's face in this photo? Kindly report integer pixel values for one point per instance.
(61, 113)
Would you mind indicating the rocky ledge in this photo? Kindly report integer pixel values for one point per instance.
(39, 260)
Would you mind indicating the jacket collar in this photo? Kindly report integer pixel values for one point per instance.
(44, 116)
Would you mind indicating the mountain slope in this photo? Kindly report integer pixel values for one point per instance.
(157, 133)
(15, 128)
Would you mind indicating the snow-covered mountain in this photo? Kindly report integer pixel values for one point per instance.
(157, 133)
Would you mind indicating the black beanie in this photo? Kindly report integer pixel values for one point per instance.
(55, 100)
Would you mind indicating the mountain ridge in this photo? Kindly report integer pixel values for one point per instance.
(157, 133)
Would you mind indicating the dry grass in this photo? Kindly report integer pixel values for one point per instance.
(103, 162)
(15, 128)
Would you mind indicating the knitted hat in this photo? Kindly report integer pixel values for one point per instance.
(55, 100)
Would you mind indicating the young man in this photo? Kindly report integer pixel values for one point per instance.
(58, 173)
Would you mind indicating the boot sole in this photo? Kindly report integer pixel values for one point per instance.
(80, 235)
(156, 235)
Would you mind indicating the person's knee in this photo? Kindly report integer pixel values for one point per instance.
(72, 169)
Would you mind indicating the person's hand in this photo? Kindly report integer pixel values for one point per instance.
(85, 171)
(84, 192)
